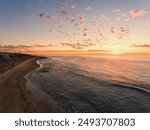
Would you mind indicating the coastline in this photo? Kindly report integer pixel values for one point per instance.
(14, 97)
(19, 95)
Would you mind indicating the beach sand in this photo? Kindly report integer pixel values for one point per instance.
(14, 97)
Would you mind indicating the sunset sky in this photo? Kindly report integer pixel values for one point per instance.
(117, 26)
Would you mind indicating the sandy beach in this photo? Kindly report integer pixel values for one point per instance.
(13, 94)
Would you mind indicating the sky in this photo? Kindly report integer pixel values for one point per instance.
(117, 26)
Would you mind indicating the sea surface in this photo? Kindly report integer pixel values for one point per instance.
(92, 83)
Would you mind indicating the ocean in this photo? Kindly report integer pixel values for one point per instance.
(98, 84)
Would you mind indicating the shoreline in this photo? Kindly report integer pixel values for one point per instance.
(14, 97)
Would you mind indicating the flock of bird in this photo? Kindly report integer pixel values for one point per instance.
(85, 31)
(81, 27)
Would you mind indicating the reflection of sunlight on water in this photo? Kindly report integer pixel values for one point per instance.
(93, 84)
(126, 69)
(119, 68)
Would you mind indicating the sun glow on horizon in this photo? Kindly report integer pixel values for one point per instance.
(118, 49)
(75, 26)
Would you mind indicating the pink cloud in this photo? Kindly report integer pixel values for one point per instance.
(82, 20)
(137, 12)
(117, 19)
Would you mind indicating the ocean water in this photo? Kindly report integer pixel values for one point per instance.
(92, 83)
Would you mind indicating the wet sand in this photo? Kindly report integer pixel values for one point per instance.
(14, 96)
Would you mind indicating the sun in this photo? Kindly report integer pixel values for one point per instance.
(116, 52)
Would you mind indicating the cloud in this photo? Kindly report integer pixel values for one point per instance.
(72, 20)
(137, 12)
(121, 33)
(142, 45)
(84, 34)
(50, 17)
(88, 8)
(115, 11)
(82, 19)
(24, 48)
(62, 6)
(65, 13)
(93, 22)
(85, 30)
(112, 30)
(14, 48)
(127, 19)
(72, 6)
(117, 19)
(79, 45)
(124, 15)
(41, 15)
(52, 45)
